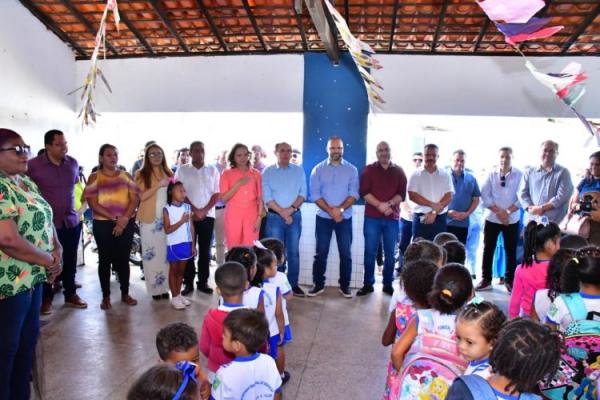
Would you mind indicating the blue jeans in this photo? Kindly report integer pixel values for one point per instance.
(19, 331)
(290, 236)
(428, 231)
(374, 229)
(343, 233)
(405, 238)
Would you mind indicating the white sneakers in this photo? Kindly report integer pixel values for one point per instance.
(180, 302)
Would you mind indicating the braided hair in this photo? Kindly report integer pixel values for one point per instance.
(535, 237)
(583, 268)
(489, 317)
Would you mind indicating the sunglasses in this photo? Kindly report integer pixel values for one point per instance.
(503, 180)
(19, 150)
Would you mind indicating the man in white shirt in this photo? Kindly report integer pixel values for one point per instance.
(431, 190)
(201, 183)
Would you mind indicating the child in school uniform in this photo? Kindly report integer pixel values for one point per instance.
(166, 381)
(253, 295)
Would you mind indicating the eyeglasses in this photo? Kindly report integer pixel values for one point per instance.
(19, 150)
(155, 155)
(417, 160)
(503, 180)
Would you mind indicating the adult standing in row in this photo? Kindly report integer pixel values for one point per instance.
(258, 155)
(406, 212)
(430, 188)
(152, 179)
(284, 191)
(182, 158)
(113, 197)
(545, 190)
(201, 183)
(589, 186)
(55, 173)
(383, 186)
(29, 254)
(219, 232)
(465, 199)
(334, 189)
(499, 197)
(241, 191)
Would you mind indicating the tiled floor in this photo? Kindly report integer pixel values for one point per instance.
(93, 354)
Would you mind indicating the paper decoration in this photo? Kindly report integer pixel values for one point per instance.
(88, 112)
(511, 11)
(567, 84)
(362, 54)
(541, 34)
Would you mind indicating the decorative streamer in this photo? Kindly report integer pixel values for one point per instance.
(362, 54)
(88, 112)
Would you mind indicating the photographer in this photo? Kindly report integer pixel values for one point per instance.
(586, 196)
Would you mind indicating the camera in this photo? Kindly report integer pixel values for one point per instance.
(587, 204)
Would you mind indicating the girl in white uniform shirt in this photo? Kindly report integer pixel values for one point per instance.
(253, 296)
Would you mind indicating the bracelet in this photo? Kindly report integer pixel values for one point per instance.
(294, 207)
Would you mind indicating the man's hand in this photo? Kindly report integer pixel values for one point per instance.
(289, 220)
(335, 212)
(535, 210)
(285, 213)
(437, 207)
(502, 215)
(429, 218)
(55, 268)
(458, 215)
(383, 207)
(200, 214)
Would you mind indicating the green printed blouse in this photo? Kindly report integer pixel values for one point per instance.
(33, 217)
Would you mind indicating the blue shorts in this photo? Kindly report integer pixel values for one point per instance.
(179, 252)
(273, 342)
(287, 335)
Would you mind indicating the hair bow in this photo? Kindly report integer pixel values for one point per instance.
(189, 372)
(258, 244)
(476, 300)
(172, 180)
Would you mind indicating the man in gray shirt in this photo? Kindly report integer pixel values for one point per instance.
(546, 189)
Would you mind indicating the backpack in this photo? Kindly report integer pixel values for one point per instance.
(481, 390)
(579, 370)
(432, 363)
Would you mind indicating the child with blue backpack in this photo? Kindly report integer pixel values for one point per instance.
(525, 353)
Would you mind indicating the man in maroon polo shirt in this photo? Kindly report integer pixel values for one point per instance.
(383, 186)
(56, 173)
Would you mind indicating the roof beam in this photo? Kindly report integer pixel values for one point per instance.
(394, 18)
(136, 33)
(52, 26)
(484, 28)
(165, 20)
(254, 24)
(586, 23)
(301, 26)
(439, 25)
(88, 25)
(213, 26)
(317, 13)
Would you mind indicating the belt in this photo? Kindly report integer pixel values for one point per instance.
(276, 213)
(219, 207)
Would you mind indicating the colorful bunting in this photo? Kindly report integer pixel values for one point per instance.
(511, 11)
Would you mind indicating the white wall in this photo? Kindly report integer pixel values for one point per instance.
(465, 85)
(37, 72)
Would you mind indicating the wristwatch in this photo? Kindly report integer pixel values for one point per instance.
(294, 207)
(434, 212)
(341, 210)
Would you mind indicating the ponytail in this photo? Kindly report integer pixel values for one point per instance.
(535, 237)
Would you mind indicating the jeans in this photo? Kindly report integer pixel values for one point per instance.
(460, 232)
(374, 229)
(19, 330)
(428, 231)
(69, 239)
(343, 233)
(290, 236)
(405, 237)
(510, 234)
(113, 250)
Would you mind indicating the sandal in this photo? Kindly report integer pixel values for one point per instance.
(130, 301)
(105, 305)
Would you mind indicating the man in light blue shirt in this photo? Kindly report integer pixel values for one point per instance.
(334, 188)
(465, 199)
(546, 189)
(284, 191)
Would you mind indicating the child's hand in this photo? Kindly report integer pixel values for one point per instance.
(185, 217)
(194, 251)
(205, 390)
(281, 335)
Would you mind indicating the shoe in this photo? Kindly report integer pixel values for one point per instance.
(483, 285)
(185, 301)
(388, 289)
(75, 301)
(473, 276)
(298, 292)
(57, 287)
(501, 281)
(315, 290)
(177, 303)
(46, 308)
(346, 292)
(365, 290)
(130, 301)
(205, 289)
(285, 377)
(105, 305)
(187, 289)
(157, 297)
(508, 287)
(165, 296)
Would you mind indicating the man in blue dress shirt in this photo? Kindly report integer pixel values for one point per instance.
(465, 199)
(334, 188)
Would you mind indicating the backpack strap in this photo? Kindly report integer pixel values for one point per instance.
(529, 396)
(576, 306)
(480, 389)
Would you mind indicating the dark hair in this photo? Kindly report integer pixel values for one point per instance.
(525, 353)
(452, 287)
(231, 278)
(423, 250)
(170, 189)
(574, 242)
(49, 136)
(162, 382)
(595, 154)
(6, 135)
(41, 151)
(249, 327)
(231, 155)
(245, 256)
(175, 337)
(417, 281)
(444, 237)
(490, 318)
(431, 146)
(507, 149)
(554, 280)
(584, 268)
(196, 143)
(103, 148)
(455, 252)
(535, 237)
(460, 152)
(276, 246)
(144, 174)
(183, 149)
(418, 153)
(264, 259)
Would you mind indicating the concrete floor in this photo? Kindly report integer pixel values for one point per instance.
(93, 354)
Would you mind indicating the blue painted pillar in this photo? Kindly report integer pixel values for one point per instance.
(335, 104)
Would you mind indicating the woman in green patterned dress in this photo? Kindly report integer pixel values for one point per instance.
(30, 254)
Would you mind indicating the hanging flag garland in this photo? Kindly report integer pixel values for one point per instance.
(88, 112)
(363, 56)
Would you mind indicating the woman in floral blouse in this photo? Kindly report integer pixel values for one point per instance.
(30, 254)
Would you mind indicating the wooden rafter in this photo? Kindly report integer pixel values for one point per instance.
(136, 33)
(88, 25)
(300, 28)
(394, 18)
(213, 26)
(439, 25)
(254, 24)
(165, 20)
(584, 25)
(484, 28)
